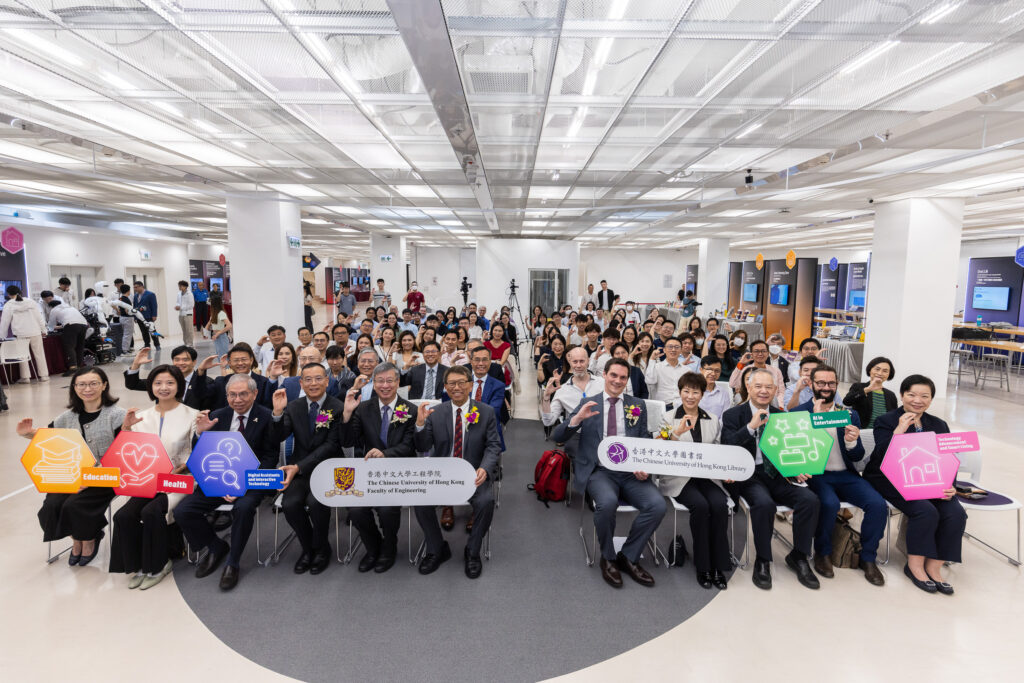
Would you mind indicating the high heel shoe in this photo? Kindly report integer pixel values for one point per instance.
(719, 580)
(926, 586)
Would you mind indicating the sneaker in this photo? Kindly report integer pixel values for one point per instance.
(23, 380)
(152, 580)
(44, 378)
(136, 580)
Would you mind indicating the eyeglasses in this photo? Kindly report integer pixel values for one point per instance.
(759, 351)
(385, 380)
(313, 379)
(239, 397)
(456, 384)
(826, 385)
(88, 385)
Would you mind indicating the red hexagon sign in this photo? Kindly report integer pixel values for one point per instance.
(12, 240)
(54, 460)
(141, 458)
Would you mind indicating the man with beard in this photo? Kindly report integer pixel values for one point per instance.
(841, 481)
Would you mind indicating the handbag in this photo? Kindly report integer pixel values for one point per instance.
(846, 547)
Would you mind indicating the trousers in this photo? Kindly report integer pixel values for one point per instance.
(141, 538)
(376, 542)
(191, 517)
(763, 494)
(79, 515)
(307, 517)
(709, 524)
(482, 504)
(833, 487)
(187, 329)
(72, 338)
(607, 488)
(35, 345)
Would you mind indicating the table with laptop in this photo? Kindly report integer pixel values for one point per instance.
(844, 351)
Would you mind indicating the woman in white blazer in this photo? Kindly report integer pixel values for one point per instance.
(141, 537)
(706, 500)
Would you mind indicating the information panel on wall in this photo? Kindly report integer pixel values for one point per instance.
(691, 279)
(856, 287)
(993, 290)
(828, 286)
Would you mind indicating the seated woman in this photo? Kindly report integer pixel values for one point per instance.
(285, 353)
(405, 354)
(386, 343)
(637, 382)
(82, 515)
(499, 347)
(870, 399)
(553, 361)
(141, 540)
(738, 342)
(706, 500)
(475, 330)
(364, 341)
(640, 356)
(720, 350)
(935, 527)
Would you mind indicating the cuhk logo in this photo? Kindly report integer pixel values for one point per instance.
(12, 240)
(618, 453)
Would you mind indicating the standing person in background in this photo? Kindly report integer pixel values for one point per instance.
(588, 298)
(145, 303)
(307, 303)
(66, 293)
(201, 312)
(25, 322)
(219, 327)
(216, 294)
(127, 320)
(184, 307)
(72, 326)
(689, 306)
(381, 296)
(606, 299)
(414, 299)
(346, 301)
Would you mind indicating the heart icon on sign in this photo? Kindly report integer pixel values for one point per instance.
(138, 461)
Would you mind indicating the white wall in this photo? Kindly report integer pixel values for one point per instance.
(498, 261)
(207, 251)
(637, 274)
(439, 271)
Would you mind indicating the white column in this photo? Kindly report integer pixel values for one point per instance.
(912, 286)
(266, 275)
(387, 260)
(713, 274)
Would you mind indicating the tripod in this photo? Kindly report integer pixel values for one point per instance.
(513, 308)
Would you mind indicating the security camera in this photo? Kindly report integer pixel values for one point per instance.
(870, 200)
(749, 180)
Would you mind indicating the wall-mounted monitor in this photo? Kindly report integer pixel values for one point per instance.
(779, 295)
(856, 299)
(750, 292)
(991, 298)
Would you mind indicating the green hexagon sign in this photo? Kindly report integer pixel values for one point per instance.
(793, 445)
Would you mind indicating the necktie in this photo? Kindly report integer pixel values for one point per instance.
(428, 387)
(385, 421)
(457, 448)
(184, 394)
(314, 410)
(479, 390)
(241, 423)
(612, 429)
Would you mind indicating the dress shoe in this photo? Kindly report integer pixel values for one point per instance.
(448, 518)
(474, 566)
(872, 573)
(704, 580)
(384, 563)
(719, 580)
(430, 561)
(940, 586)
(86, 559)
(321, 560)
(927, 586)
(469, 524)
(368, 562)
(823, 565)
(229, 579)
(799, 564)
(73, 559)
(610, 573)
(211, 561)
(762, 575)
(136, 580)
(635, 571)
(153, 579)
(302, 565)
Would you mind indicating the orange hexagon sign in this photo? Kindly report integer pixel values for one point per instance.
(759, 261)
(141, 458)
(791, 259)
(54, 460)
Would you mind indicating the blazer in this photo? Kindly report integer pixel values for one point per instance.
(885, 425)
(734, 431)
(195, 391)
(362, 431)
(292, 387)
(416, 377)
(861, 402)
(176, 436)
(310, 450)
(591, 432)
(638, 382)
(216, 394)
(258, 432)
(710, 432)
(850, 456)
(145, 303)
(493, 394)
(783, 368)
(481, 445)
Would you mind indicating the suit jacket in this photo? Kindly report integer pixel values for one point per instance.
(195, 392)
(885, 425)
(493, 394)
(604, 298)
(734, 431)
(145, 303)
(638, 383)
(362, 431)
(783, 368)
(216, 395)
(481, 445)
(258, 432)
(292, 387)
(591, 433)
(310, 449)
(417, 376)
(851, 455)
(861, 402)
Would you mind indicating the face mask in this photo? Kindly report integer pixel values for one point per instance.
(629, 308)
(700, 340)
(414, 288)
(737, 342)
(775, 349)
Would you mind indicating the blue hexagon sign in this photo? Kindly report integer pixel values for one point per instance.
(1019, 257)
(219, 461)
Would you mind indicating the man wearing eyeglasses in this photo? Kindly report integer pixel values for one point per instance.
(451, 430)
(758, 355)
(315, 423)
(841, 482)
(377, 429)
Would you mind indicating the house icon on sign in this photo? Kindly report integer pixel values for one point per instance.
(920, 467)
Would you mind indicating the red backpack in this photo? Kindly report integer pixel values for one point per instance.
(551, 477)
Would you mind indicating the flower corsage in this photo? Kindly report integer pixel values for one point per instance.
(633, 414)
(665, 433)
(324, 419)
(401, 414)
(472, 416)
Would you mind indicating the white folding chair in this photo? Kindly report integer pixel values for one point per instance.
(655, 412)
(970, 473)
(652, 542)
(226, 507)
(14, 352)
(51, 558)
(354, 542)
(277, 509)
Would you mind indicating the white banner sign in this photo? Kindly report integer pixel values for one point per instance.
(675, 458)
(354, 482)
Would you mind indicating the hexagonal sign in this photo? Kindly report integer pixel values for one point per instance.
(219, 461)
(141, 458)
(793, 445)
(12, 240)
(54, 460)
(918, 467)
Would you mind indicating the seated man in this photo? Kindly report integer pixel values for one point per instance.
(446, 432)
(741, 426)
(376, 430)
(561, 398)
(315, 423)
(663, 375)
(426, 380)
(598, 358)
(338, 370)
(255, 423)
(183, 358)
(808, 347)
(717, 398)
(365, 363)
(268, 345)
(842, 481)
(596, 417)
(292, 385)
(241, 360)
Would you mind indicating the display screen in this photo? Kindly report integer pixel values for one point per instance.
(991, 298)
(857, 298)
(750, 293)
(779, 295)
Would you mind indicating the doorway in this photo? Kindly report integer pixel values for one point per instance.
(151, 277)
(549, 288)
(82, 277)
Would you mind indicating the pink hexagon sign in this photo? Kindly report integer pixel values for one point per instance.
(918, 467)
(142, 459)
(12, 240)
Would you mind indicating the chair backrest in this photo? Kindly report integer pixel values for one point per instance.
(420, 402)
(970, 464)
(14, 350)
(403, 392)
(655, 411)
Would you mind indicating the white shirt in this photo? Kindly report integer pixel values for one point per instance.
(632, 318)
(588, 298)
(662, 379)
(598, 359)
(186, 302)
(66, 315)
(69, 297)
(235, 423)
(391, 408)
(717, 400)
(465, 408)
(568, 396)
(266, 354)
(478, 382)
(758, 458)
(350, 347)
(620, 416)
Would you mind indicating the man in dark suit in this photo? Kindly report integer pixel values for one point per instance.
(240, 359)
(184, 358)
(144, 302)
(426, 380)
(606, 298)
(382, 426)
(612, 413)
(450, 431)
(741, 426)
(293, 385)
(315, 423)
(255, 423)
